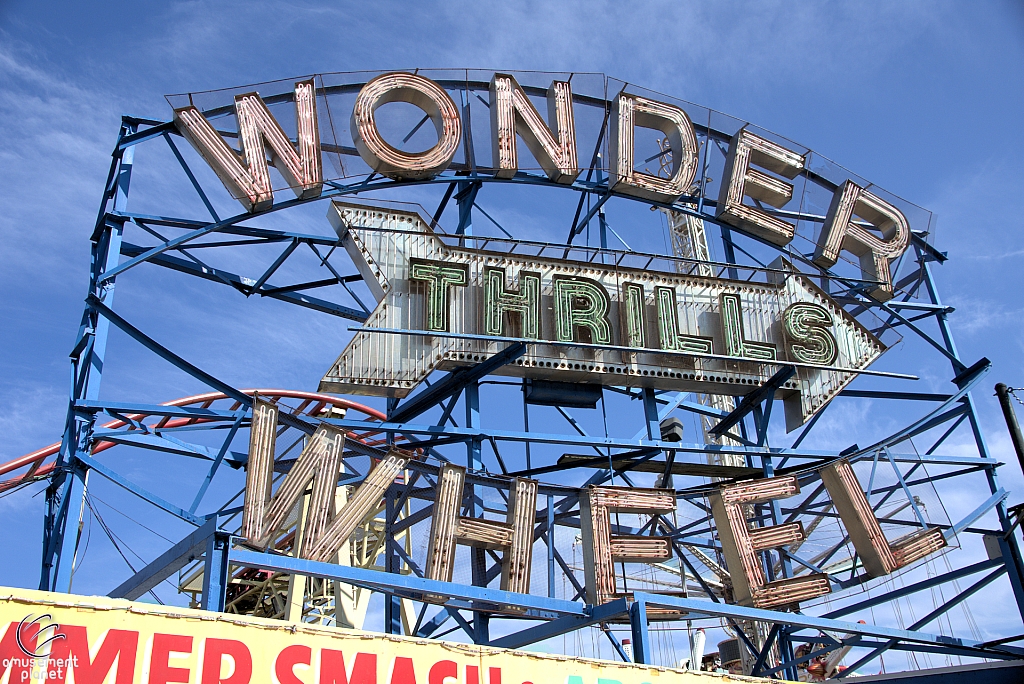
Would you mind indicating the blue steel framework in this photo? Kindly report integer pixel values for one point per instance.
(112, 256)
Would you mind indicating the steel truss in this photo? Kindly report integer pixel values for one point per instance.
(166, 428)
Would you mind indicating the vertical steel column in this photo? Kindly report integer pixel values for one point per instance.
(474, 461)
(551, 545)
(641, 636)
(465, 198)
(392, 604)
(1008, 543)
(651, 418)
(215, 573)
(775, 510)
(66, 492)
(1010, 416)
(601, 220)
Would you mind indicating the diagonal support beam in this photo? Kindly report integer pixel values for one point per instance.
(236, 281)
(454, 382)
(178, 556)
(563, 625)
(801, 621)
(753, 399)
(196, 372)
(138, 491)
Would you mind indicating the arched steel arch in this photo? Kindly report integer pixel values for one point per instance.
(917, 304)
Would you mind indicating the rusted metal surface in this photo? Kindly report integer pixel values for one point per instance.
(444, 522)
(876, 554)
(414, 90)
(248, 178)
(514, 537)
(363, 503)
(512, 115)
(600, 545)
(741, 180)
(522, 513)
(740, 544)
(775, 536)
(259, 470)
(630, 111)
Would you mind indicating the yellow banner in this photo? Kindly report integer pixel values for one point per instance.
(62, 638)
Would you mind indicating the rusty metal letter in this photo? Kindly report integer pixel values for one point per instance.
(602, 549)
(249, 181)
(415, 90)
(263, 514)
(876, 553)
(740, 544)
(320, 545)
(629, 111)
(513, 114)
(320, 461)
(739, 180)
(514, 536)
(876, 252)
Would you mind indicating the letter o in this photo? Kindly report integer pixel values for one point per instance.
(415, 90)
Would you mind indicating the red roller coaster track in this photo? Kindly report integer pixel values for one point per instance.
(37, 466)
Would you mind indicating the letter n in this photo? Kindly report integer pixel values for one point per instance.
(246, 175)
(513, 114)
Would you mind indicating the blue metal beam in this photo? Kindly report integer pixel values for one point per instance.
(738, 612)
(641, 636)
(563, 625)
(169, 562)
(239, 283)
(753, 399)
(194, 371)
(454, 382)
(461, 596)
(215, 572)
(959, 598)
(959, 573)
(138, 491)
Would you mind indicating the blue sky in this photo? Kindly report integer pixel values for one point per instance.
(923, 99)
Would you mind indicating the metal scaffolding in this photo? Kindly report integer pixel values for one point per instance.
(222, 575)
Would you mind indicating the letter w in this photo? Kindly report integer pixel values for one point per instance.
(264, 514)
(247, 176)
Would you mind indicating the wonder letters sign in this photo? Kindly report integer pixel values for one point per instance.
(442, 305)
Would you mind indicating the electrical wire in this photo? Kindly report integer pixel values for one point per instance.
(114, 539)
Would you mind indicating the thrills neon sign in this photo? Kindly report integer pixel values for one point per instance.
(441, 305)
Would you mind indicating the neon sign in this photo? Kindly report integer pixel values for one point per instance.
(441, 305)
(326, 528)
(859, 221)
(604, 317)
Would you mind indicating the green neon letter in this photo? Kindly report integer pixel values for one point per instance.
(581, 303)
(668, 325)
(634, 322)
(439, 277)
(807, 327)
(736, 342)
(498, 301)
